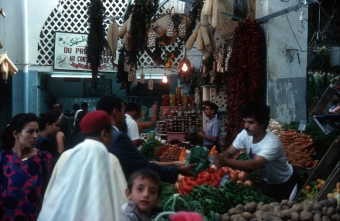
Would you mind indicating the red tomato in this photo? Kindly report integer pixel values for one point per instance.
(211, 170)
(224, 170)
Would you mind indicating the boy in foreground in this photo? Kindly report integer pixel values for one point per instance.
(143, 192)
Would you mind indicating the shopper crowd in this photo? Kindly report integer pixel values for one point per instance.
(96, 172)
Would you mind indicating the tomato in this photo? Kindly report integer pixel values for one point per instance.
(224, 170)
(211, 170)
(233, 174)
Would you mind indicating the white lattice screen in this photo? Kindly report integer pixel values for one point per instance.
(74, 19)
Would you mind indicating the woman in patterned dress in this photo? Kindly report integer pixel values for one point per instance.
(24, 170)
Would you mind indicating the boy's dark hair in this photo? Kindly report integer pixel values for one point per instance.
(97, 132)
(108, 103)
(257, 109)
(213, 107)
(47, 118)
(132, 107)
(18, 122)
(145, 174)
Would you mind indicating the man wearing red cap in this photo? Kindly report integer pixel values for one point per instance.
(87, 182)
(128, 155)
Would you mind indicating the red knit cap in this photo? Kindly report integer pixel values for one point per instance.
(94, 121)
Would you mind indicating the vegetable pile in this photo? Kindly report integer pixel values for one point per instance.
(204, 198)
(172, 153)
(298, 148)
(149, 147)
(325, 210)
(211, 177)
(200, 157)
(310, 191)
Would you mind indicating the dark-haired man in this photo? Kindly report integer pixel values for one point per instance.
(65, 122)
(211, 136)
(132, 111)
(129, 156)
(265, 151)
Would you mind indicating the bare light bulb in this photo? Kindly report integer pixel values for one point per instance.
(184, 67)
(165, 78)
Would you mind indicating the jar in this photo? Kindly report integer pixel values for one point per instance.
(178, 99)
(165, 100)
(172, 99)
(185, 99)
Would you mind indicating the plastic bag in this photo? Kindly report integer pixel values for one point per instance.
(200, 157)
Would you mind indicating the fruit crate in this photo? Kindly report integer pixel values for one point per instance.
(326, 165)
(330, 184)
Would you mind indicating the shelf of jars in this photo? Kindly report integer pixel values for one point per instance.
(178, 121)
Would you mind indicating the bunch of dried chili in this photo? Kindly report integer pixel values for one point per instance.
(246, 78)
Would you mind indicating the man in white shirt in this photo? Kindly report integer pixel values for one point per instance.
(265, 151)
(132, 111)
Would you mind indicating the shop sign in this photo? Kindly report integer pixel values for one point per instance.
(70, 53)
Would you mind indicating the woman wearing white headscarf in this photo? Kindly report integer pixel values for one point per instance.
(84, 184)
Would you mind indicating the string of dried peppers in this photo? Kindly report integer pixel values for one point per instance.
(246, 76)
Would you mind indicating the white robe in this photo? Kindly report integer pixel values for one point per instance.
(87, 184)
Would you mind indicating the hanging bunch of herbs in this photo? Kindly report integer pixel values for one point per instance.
(142, 14)
(193, 15)
(192, 79)
(96, 41)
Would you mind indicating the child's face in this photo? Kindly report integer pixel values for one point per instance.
(144, 193)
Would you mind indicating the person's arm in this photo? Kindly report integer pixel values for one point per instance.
(131, 160)
(224, 159)
(202, 134)
(60, 137)
(146, 125)
(215, 128)
(138, 142)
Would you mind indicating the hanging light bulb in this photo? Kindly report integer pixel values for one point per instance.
(184, 67)
(184, 64)
(165, 78)
(301, 27)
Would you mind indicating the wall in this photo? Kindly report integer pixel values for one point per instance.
(286, 61)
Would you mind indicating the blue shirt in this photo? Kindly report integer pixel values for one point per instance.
(212, 129)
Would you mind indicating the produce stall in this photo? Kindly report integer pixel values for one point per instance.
(228, 194)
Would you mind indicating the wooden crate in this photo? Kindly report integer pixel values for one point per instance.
(329, 185)
(329, 97)
(327, 164)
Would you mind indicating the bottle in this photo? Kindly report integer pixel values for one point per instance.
(165, 100)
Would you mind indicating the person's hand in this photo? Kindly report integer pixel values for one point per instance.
(155, 106)
(186, 170)
(219, 160)
(200, 134)
(60, 136)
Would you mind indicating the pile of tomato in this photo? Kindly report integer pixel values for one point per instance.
(211, 177)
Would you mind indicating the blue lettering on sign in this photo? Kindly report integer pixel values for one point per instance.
(75, 41)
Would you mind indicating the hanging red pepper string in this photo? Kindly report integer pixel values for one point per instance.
(246, 77)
